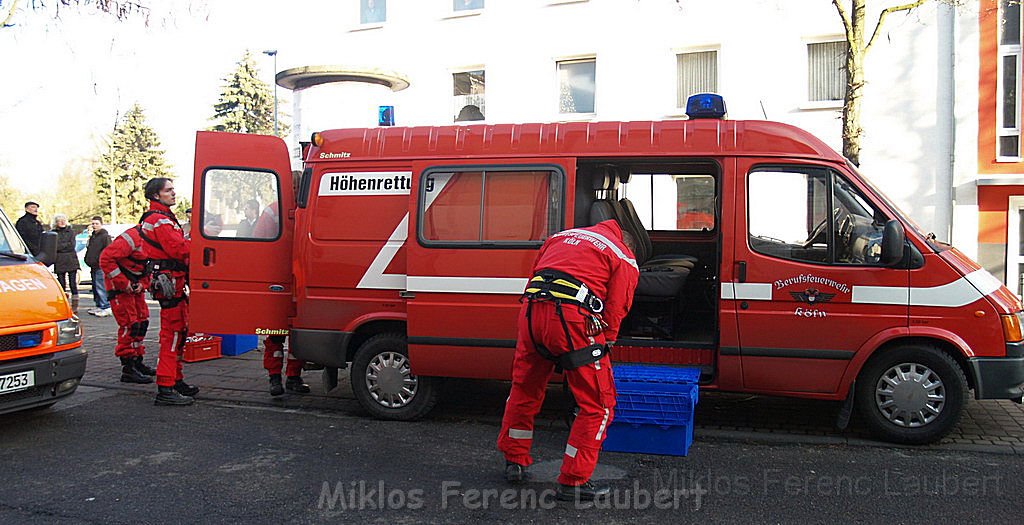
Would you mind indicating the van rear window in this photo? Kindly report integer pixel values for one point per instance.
(496, 207)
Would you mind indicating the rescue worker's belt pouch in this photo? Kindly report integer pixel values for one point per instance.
(582, 357)
(553, 285)
(165, 265)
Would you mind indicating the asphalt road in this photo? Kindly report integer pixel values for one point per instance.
(110, 456)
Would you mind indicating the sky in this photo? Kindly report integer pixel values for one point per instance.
(67, 79)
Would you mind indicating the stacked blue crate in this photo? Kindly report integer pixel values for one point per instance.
(654, 410)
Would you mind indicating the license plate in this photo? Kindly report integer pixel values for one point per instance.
(17, 381)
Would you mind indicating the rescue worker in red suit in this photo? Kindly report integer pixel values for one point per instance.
(273, 362)
(581, 289)
(167, 251)
(123, 263)
(268, 226)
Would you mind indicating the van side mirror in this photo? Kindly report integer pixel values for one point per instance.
(47, 248)
(893, 238)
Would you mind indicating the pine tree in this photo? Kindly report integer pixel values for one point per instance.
(132, 157)
(246, 103)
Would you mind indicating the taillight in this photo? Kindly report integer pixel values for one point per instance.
(1012, 327)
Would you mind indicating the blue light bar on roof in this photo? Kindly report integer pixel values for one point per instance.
(705, 105)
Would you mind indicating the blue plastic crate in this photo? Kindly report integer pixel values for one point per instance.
(665, 440)
(231, 344)
(655, 378)
(649, 422)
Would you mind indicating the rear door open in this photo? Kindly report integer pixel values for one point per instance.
(242, 227)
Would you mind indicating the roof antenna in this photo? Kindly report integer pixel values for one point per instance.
(763, 112)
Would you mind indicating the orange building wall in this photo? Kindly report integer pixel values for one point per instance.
(988, 82)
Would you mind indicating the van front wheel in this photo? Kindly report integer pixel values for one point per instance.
(384, 384)
(912, 394)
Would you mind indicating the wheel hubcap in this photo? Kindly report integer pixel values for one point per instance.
(390, 380)
(910, 395)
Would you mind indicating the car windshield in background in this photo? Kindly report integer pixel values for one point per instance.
(10, 242)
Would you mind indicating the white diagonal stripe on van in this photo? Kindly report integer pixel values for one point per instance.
(374, 277)
(498, 285)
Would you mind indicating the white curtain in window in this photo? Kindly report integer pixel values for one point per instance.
(826, 71)
(696, 73)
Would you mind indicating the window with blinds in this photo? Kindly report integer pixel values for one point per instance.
(826, 71)
(696, 72)
(1008, 126)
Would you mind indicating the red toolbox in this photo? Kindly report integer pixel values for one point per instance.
(201, 347)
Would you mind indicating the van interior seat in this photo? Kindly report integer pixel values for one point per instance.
(656, 282)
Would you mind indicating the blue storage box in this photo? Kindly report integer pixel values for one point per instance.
(653, 417)
(238, 344)
(653, 422)
(655, 378)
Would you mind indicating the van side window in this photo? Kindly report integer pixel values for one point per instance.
(671, 201)
(811, 215)
(502, 207)
(240, 204)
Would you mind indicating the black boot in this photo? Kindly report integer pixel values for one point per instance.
(168, 396)
(129, 374)
(295, 384)
(142, 368)
(186, 389)
(585, 492)
(276, 388)
(514, 472)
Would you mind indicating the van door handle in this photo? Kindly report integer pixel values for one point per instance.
(207, 256)
(741, 271)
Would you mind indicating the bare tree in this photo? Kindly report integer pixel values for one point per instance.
(120, 9)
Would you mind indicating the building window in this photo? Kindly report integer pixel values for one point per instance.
(469, 95)
(1008, 125)
(500, 207)
(826, 71)
(695, 73)
(577, 85)
(467, 5)
(372, 11)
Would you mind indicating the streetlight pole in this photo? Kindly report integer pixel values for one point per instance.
(273, 53)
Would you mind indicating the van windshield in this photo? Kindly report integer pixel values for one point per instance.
(892, 206)
(10, 241)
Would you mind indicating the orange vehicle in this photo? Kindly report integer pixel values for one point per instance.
(41, 354)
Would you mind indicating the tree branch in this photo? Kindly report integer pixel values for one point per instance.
(10, 14)
(845, 17)
(885, 12)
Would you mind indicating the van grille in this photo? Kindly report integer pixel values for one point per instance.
(10, 341)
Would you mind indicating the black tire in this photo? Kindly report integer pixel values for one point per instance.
(924, 365)
(408, 402)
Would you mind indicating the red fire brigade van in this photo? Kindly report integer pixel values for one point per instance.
(767, 261)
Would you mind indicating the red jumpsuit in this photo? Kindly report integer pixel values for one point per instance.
(596, 256)
(163, 228)
(273, 357)
(123, 263)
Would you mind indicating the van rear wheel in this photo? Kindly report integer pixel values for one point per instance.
(911, 394)
(384, 384)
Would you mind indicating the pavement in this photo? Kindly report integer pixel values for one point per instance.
(986, 426)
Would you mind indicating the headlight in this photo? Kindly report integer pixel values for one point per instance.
(69, 331)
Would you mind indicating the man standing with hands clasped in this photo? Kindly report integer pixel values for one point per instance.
(124, 263)
(581, 289)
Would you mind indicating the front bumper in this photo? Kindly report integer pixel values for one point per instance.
(1000, 377)
(56, 375)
